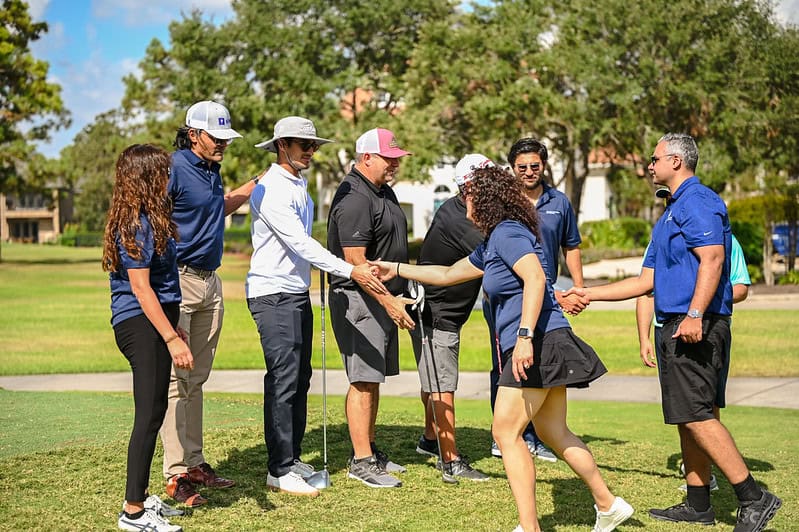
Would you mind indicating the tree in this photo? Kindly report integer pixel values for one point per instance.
(30, 106)
(340, 63)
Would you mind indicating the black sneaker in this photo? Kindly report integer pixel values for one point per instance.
(428, 447)
(369, 471)
(682, 513)
(753, 516)
(387, 465)
(461, 468)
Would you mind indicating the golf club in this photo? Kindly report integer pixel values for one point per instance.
(321, 479)
(416, 291)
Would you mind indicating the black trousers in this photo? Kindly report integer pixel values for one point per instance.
(151, 364)
(285, 324)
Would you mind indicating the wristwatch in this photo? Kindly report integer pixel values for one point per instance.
(524, 332)
(694, 313)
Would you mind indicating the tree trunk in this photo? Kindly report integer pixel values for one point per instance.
(768, 251)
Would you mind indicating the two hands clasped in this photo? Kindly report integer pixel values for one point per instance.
(371, 275)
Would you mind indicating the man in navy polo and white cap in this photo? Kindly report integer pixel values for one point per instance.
(366, 222)
(451, 237)
(200, 207)
(278, 298)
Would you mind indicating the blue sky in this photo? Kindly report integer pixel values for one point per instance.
(92, 44)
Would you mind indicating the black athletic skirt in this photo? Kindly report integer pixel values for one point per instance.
(560, 358)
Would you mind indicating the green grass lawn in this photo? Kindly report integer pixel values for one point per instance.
(55, 319)
(62, 467)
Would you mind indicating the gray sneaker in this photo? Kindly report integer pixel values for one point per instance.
(495, 450)
(369, 471)
(387, 465)
(461, 468)
(302, 469)
(540, 451)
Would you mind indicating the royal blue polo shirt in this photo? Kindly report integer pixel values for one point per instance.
(509, 242)
(198, 201)
(558, 227)
(695, 217)
(164, 279)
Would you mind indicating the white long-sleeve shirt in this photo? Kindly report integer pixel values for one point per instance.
(283, 249)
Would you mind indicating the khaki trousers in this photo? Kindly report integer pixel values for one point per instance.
(201, 313)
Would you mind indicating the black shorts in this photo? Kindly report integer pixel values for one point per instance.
(691, 375)
(560, 358)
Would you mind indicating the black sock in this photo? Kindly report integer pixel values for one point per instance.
(136, 515)
(699, 498)
(748, 490)
(373, 445)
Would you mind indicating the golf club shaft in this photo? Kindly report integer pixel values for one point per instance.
(324, 368)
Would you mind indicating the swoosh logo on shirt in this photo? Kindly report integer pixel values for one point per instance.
(706, 233)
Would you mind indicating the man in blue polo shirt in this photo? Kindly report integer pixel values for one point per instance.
(688, 266)
(199, 209)
(559, 231)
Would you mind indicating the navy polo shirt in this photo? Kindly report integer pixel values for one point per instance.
(198, 201)
(509, 242)
(451, 237)
(695, 217)
(363, 215)
(558, 227)
(164, 278)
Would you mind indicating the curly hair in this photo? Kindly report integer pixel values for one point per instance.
(496, 196)
(142, 172)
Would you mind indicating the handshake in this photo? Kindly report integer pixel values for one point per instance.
(573, 301)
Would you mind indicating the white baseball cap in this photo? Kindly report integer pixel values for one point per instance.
(292, 127)
(213, 118)
(380, 141)
(464, 170)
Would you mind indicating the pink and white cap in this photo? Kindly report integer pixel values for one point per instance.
(464, 170)
(380, 141)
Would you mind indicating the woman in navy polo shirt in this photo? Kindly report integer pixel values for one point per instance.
(139, 253)
(541, 356)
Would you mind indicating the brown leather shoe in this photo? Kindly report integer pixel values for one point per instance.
(180, 488)
(204, 474)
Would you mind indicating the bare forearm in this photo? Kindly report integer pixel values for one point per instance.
(644, 310)
(574, 264)
(707, 281)
(739, 292)
(620, 290)
(236, 198)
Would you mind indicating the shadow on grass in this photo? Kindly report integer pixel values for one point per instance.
(55, 261)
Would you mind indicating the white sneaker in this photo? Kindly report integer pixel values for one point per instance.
(619, 512)
(149, 521)
(518, 528)
(153, 502)
(302, 469)
(291, 483)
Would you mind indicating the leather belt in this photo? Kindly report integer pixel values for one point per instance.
(202, 274)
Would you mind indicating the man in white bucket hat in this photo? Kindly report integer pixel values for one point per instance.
(278, 299)
(200, 207)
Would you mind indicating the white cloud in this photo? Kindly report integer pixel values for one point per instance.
(145, 12)
(788, 11)
(36, 8)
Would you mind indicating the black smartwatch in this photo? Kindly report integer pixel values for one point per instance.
(524, 332)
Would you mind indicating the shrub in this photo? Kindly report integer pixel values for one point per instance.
(750, 236)
(792, 277)
(616, 233)
(755, 273)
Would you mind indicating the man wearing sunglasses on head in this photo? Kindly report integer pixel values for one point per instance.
(278, 298)
(200, 206)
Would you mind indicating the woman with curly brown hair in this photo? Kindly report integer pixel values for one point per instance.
(139, 252)
(541, 356)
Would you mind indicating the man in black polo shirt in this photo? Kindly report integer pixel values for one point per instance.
(367, 223)
(450, 238)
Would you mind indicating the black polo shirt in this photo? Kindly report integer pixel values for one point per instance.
(450, 238)
(363, 215)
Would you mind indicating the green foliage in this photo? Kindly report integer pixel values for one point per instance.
(750, 235)
(30, 106)
(792, 277)
(619, 233)
(755, 273)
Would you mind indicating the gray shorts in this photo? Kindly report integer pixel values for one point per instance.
(446, 346)
(365, 334)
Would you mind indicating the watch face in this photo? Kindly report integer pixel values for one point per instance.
(524, 332)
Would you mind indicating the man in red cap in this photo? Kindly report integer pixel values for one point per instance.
(366, 222)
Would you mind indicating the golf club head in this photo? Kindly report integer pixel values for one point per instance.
(416, 292)
(319, 480)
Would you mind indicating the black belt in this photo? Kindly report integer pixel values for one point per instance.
(199, 272)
